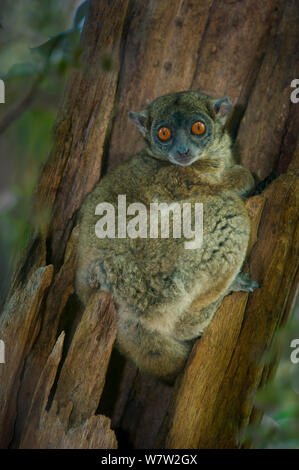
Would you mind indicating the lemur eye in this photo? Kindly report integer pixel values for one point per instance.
(198, 128)
(164, 133)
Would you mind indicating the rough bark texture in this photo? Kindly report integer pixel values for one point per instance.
(62, 374)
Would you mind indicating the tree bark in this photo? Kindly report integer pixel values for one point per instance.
(63, 384)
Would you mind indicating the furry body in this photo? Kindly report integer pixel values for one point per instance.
(165, 294)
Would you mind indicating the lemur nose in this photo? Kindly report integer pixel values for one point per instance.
(184, 153)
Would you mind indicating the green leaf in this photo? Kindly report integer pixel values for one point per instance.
(66, 40)
(80, 14)
(49, 46)
(61, 44)
(23, 69)
(284, 414)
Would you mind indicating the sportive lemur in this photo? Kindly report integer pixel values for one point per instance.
(166, 294)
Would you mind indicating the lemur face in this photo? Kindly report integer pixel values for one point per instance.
(181, 135)
(180, 127)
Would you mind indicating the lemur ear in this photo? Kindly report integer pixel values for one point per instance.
(140, 120)
(222, 108)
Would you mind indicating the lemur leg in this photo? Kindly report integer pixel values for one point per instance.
(152, 351)
(197, 317)
(239, 179)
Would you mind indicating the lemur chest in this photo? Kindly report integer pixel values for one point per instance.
(176, 183)
(181, 189)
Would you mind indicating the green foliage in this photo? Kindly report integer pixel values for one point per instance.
(23, 69)
(27, 142)
(17, 221)
(80, 15)
(59, 53)
(63, 50)
(279, 399)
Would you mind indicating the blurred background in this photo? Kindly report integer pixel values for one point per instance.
(39, 43)
(34, 79)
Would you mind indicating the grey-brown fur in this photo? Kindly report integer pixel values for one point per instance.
(166, 294)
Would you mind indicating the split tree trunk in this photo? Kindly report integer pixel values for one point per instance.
(57, 388)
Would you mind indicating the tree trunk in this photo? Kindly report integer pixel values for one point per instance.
(63, 384)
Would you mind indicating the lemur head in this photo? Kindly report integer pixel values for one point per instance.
(183, 127)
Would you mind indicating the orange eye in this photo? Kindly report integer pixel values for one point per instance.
(198, 128)
(164, 133)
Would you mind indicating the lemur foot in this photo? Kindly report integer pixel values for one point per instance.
(243, 282)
